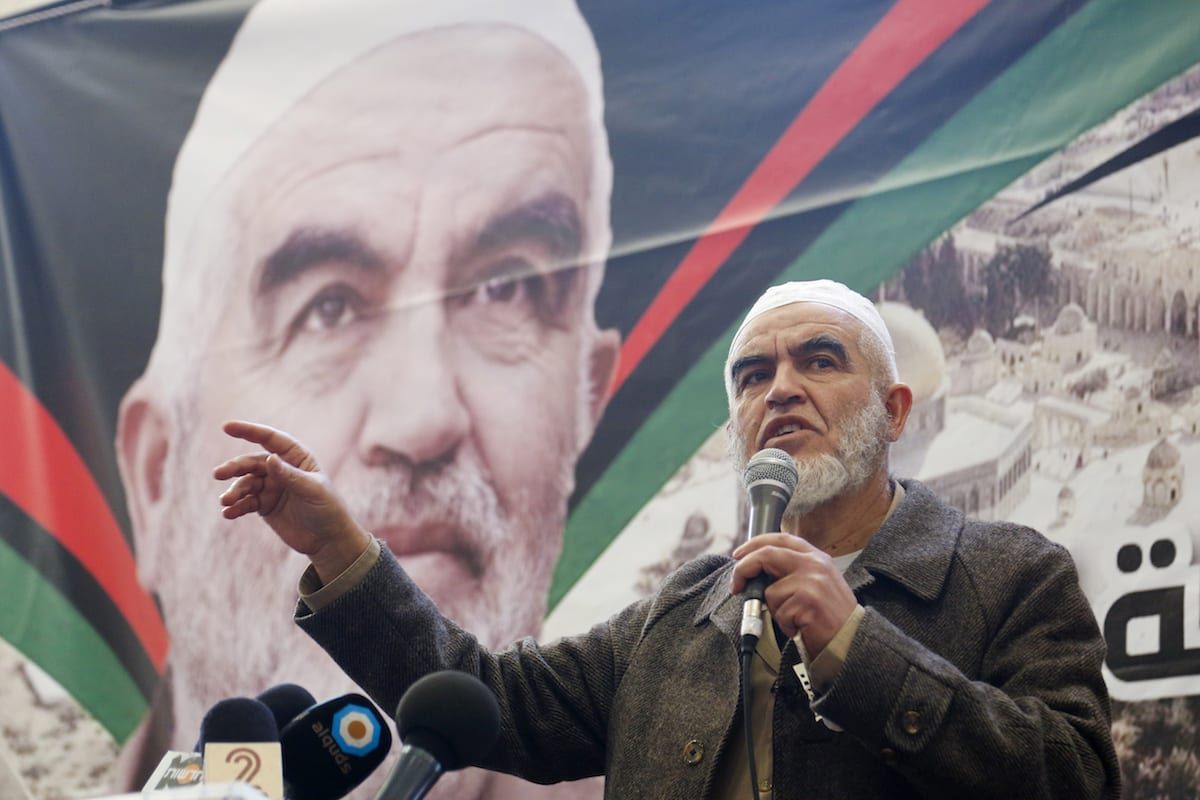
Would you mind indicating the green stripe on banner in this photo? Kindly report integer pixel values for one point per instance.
(41, 623)
(1108, 54)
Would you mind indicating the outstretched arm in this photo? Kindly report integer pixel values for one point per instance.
(285, 485)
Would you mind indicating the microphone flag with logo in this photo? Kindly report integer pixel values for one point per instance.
(332, 747)
(240, 742)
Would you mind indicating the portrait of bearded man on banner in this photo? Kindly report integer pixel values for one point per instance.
(386, 230)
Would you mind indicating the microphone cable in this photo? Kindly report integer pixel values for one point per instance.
(747, 714)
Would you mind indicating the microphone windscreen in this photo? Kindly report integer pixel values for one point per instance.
(771, 464)
(329, 748)
(286, 701)
(451, 715)
(238, 719)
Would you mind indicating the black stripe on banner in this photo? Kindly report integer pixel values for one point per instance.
(968, 62)
(62, 570)
(1181, 130)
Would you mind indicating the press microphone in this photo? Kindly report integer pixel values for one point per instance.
(447, 720)
(770, 478)
(176, 769)
(286, 701)
(331, 747)
(240, 742)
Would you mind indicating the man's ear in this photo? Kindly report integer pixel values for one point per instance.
(898, 400)
(602, 367)
(143, 442)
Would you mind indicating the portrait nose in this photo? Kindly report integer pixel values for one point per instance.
(414, 411)
(786, 388)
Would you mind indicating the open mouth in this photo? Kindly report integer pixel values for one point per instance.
(784, 428)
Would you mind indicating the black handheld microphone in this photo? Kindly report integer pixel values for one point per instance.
(331, 747)
(770, 478)
(286, 701)
(240, 742)
(447, 720)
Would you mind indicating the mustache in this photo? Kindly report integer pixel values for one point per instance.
(452, 500)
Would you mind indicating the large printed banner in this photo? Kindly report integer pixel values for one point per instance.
(485, 259)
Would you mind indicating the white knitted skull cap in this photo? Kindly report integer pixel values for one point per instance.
(825, 292)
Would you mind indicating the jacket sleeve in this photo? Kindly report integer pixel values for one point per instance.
(555, 699)
(1034, 723)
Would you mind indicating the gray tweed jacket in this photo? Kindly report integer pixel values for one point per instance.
(975, 673)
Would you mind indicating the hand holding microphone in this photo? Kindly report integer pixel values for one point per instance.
(770, 478)
(807, 590)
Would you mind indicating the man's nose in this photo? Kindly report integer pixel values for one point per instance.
(787, 387)
(414, 410)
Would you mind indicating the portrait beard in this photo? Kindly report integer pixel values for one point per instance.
(824, 476)
(229, 591)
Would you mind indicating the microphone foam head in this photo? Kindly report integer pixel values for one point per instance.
(286, 701)
(774, 465)
(452, 715)
(238, 719)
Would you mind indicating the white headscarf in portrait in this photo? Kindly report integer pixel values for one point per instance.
(283, 50)
(827, 293)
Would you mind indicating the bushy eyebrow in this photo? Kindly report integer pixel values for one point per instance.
(822, 343)
(311, 246)
(551, 218)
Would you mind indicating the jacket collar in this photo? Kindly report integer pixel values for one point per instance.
(914, 547)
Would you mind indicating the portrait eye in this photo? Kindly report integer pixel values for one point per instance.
(504, 290)
(515, 286)
(753, 376)
(824, 362)
(333, 307)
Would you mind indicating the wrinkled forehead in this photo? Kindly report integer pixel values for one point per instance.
(790, 324)
(286, 48)
(417, 97)
(800, 319)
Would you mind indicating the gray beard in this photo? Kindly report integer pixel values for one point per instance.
(824, 476)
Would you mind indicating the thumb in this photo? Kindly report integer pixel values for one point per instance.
(294, 479)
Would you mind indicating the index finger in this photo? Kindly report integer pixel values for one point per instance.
(270, 439)
(771, 540)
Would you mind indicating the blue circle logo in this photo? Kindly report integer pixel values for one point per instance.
(356, 730)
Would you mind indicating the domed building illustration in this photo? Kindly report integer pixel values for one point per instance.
(1162, 483)
(921, 362)
(1071, 340)
(989, 477)
(1168, 376)
(978, 369)
(1162, 477)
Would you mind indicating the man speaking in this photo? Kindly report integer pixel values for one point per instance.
(909, 652)
(386, 230)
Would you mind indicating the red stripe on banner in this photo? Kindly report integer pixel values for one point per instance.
(43, 475)
(903, 38)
